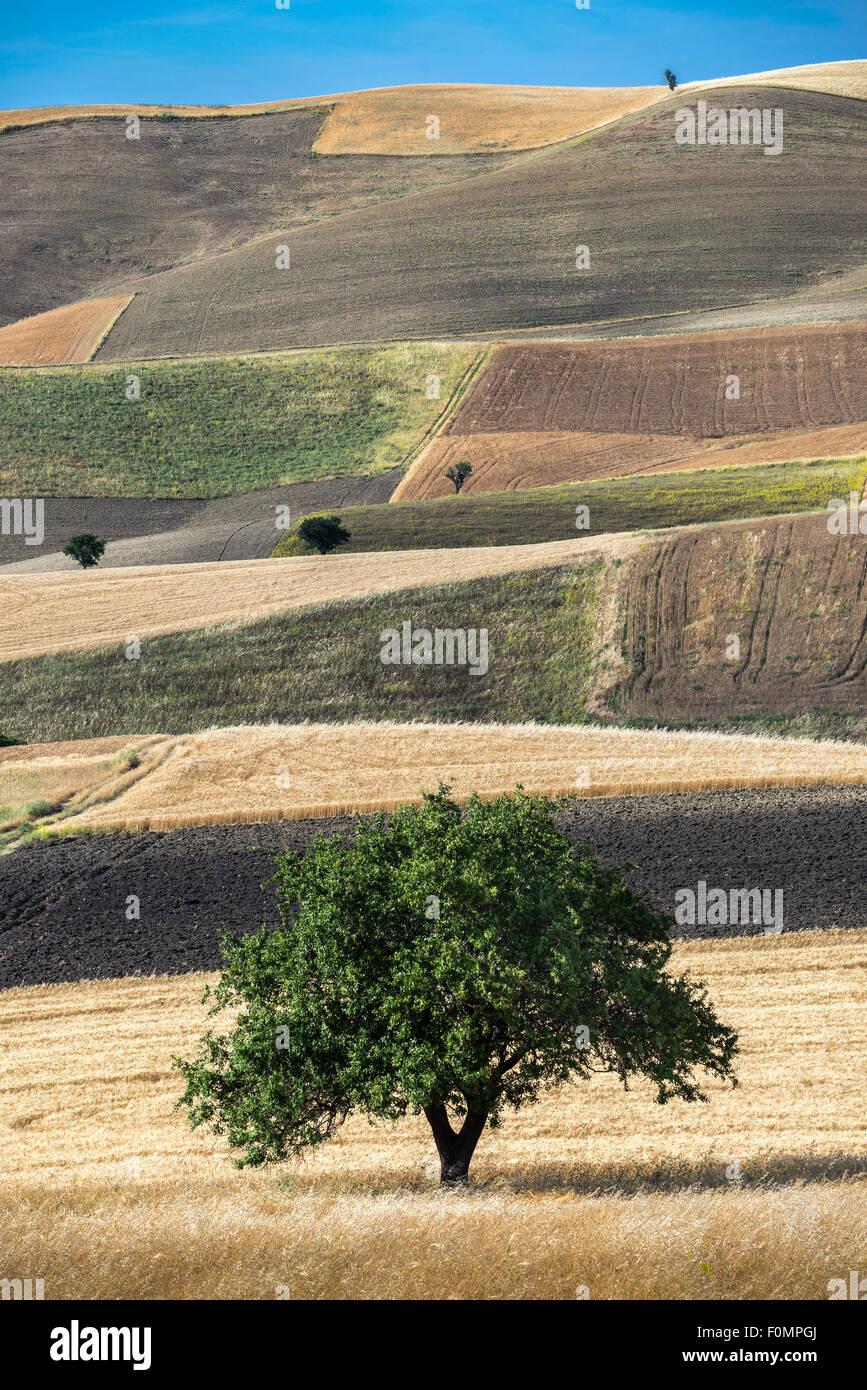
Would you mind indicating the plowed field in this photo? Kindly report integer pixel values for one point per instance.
(549, 413)
(498, 251)
(793, 595)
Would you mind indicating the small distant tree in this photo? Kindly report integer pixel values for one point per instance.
(670, 78)
(456, 962)
(324, 533)
(88, 550)
(459, 473)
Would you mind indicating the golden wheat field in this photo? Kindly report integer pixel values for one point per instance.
(540, 458)
(61, 336)
(473, 118)
(278, 772)
(756, 1194)
(845, 79)
(73, 610)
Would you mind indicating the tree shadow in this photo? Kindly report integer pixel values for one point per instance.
(596, 1179)
(677, 1174)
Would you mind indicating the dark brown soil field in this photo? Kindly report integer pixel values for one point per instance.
(670, 229)
(793, 595)
(63, 902)
(183, 532)
(85, 207)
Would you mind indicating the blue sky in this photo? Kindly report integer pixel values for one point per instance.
(56, 52)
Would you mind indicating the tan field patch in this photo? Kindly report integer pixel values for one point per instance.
(472, 119)
(39, 115)
(528, 459)
(61, 336)
(71, 611)
(277, 772)
(111, 1194)
(845, 79)
(43, 782)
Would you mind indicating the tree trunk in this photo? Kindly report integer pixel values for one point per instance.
(455, 1150)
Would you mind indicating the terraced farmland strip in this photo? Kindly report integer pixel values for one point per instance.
(66, 612)
(261, 773)
(619, 504)
(526, 459)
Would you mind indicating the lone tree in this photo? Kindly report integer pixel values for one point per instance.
(443, 962)
(88, 550)
(459, 473)
(324, 533)
(670, 78)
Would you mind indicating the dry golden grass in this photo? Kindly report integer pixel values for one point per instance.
(74, 610)
(65, 777)
(845, 79)
(61, 336)
(109, 1194)
(528, 459)
(473, 118)
(276, 772)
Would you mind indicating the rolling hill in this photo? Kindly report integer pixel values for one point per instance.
(498, 252)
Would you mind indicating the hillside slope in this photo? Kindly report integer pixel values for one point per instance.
(499, 251)
(84, 208)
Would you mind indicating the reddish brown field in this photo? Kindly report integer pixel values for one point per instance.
(558, 412)
(793, 595)
(61, 336)
(530, 459)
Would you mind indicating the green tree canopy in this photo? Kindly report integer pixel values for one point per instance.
(87, 549)
(446, 960)
(459, 473)
(324, 533)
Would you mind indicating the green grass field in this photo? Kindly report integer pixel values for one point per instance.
(324, 664)
(219, 427)
(618, 504)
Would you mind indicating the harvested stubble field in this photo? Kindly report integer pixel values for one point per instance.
(847, 78)
(59, 895)
(497, 251)
(549, 513)
(794, 596)
(63, 612)
(186, 189)
(473, 118)
(61, 776)
(110, 1195)
(541, 413)
(214, 428)
(259, 773)
(70, 334)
